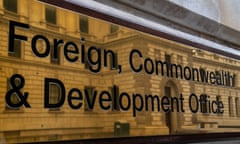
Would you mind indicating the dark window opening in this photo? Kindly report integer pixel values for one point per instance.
(87, 63)
(83, 24)
(168, 114)
(168, 58)
(14, 97)
(90, 91)
(114, 64)
(54, 94)
(115, 98)
(230, 106)
(204, 104)
(114, 28)
(17, 49)
(51, 14)
(10, 5)
(56, 59)
(237, 106)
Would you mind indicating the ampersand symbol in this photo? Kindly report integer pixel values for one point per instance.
(15, 89)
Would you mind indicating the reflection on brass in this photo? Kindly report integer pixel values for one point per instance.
(83, 82)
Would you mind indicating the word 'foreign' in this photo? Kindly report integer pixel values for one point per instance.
(92, 56)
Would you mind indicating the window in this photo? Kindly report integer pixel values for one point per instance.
(113, 28)
(168, 114)
(202, 71)
(10, 5)
(51, 14)
(53, 59)
(218, 75)
(87, 63)
(168, 58)
(54, 94)
(204, 105)
(180, 59)
(157, 53)
(194, 103)
(230, 106)
(234, 80)
(115, 98)
(91, 91)
(17, 49)
(83, 24)
(218, 99)
(14, 98)
(168, 61)
(237, 106)
(114, 64)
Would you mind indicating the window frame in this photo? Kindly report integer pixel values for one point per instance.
(50, 12)
(58, 97)
(84, 24)
(114, 28)
(168, 58)
(93, 89)
(17, 53)
(8, 88)
(237, 106)
(52, 59)
(117, 96)
(11, 5)
(230, 106)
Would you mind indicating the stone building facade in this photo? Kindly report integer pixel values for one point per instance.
(50, 124)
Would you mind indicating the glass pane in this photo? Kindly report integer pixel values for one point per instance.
(83, 24)
(55, 55)
(81, 82)
(17, 49)
(51, 14)
(10, 5)
(89, 92)
(113, 28)
(14, 97)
